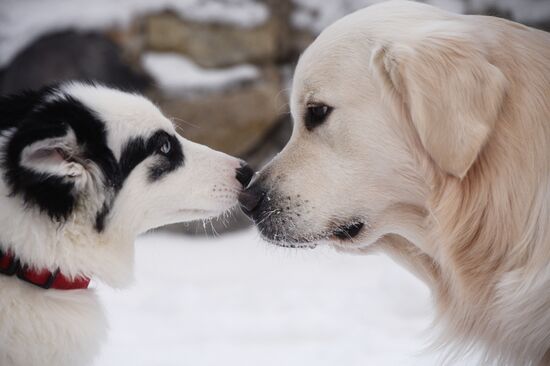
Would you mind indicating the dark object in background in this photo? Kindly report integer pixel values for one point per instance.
(71, 55)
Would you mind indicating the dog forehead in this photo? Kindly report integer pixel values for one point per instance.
(340, 55)
(119, 110)
(125, 115)
(326, 72)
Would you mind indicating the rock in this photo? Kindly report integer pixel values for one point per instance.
(234, 121)
(271, 143)
(71, 55)
(216, 45)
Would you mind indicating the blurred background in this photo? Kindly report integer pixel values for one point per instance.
(221, 69)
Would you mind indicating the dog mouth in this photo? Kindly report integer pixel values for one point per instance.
(289, 242)
(347, 232)
(342, 233)
(303, 245)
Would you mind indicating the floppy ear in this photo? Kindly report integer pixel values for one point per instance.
(452, 92)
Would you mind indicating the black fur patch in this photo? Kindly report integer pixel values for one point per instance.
(14, 108)
(36, 120)
(135, 152)
(138, 149)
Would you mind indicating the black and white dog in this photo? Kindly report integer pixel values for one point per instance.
(84, 169)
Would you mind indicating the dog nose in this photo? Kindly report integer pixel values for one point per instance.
(244, 174)
(251, 199)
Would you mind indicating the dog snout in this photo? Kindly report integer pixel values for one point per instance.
(244, 174)
(251, 199)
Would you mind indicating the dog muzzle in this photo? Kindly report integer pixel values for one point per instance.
(11, 266)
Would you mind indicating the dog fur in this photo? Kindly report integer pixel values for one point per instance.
(84, 170)
(434, 147)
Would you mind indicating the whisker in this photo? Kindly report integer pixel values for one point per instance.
(177, 119)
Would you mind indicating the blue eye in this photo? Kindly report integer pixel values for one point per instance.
(166, 147)
(316, 114)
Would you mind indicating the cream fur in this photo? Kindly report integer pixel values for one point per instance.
(440, 142)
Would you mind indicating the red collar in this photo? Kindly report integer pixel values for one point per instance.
(10, 265)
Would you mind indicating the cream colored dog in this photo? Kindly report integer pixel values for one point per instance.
(426, 135)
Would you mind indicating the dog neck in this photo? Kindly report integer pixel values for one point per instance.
(401, 233)
(10, 265)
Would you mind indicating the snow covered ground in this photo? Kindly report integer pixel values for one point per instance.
(236, 300)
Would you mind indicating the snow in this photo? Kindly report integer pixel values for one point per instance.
(176, 74)
(21, 22)
(236, 300)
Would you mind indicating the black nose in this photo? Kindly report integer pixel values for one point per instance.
(251, 199)
(244, 174)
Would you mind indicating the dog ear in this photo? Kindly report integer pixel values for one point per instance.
(452, 93)
(44, 164)
(57, 156)
(49, 147)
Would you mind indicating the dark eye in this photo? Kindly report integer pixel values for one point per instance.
(165, 147)
(316, 114)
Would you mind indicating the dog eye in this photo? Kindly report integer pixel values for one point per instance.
(316, 114)
(166, 147)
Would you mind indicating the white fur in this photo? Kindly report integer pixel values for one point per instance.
(439, 142)
(52, 327)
